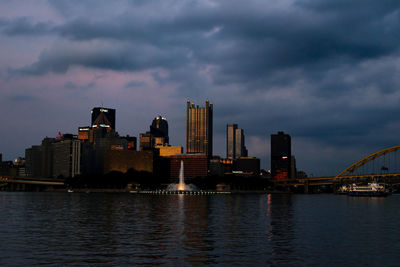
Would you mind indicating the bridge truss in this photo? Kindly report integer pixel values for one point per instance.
(381, 164)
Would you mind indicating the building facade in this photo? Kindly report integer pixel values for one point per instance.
(193, 166)
(67, 158)
(281, 156)
(103, 117)
(231, 141)
(199, 129)
(159, 130)
(235, 145)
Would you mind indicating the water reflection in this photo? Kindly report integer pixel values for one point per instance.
(123, 229)
(280, 230)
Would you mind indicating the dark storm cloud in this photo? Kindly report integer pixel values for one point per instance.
(24, 26)
(244, 42)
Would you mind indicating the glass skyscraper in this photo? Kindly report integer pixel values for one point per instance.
(199, 128)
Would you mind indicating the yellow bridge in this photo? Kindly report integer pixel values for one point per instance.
(383, 165)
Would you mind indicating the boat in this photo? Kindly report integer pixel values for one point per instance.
(343, 190)
(371, 190)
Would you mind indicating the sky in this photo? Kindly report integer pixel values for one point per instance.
(324, 71)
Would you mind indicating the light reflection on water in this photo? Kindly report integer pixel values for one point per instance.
(129, 229)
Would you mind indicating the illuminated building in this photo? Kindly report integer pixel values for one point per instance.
(194, 166)
(235, 147)
(199, 128)
(103, 117)
(123, 160)
(157, 136)
(230, 141)
(83, 133)
(280, 156)
(240, 147)
(166, 151)
(146, 141)
(159, 130)
(131, 142)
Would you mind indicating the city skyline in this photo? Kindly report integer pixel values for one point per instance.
(285, 66)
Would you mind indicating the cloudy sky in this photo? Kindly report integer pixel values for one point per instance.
(324, 71)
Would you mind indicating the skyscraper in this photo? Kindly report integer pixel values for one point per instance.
(199, 128)
(231, 141)
(159, 129)
(280, 156)
(235, 147)
(103, 117)
(157, 136)
(240, 147)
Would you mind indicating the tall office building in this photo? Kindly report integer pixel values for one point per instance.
(231, 141)
(199, 128)
(241, 150)
(235, 146)
(157, 136)
(281, 156)
(159, 129)
(67, 158)
(103, 117)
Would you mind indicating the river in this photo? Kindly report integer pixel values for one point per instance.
(100, 229)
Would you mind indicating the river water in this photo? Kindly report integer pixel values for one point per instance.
(78, 229)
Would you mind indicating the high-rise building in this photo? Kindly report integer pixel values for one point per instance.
(235, 146)
(157, 136)
(67, 158)
(103, 117)
(159, 129)
(199, 128)
(231, 141)
(241, 150)
(281, 156)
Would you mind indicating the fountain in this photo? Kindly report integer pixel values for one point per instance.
(181, 186)
(178, 189)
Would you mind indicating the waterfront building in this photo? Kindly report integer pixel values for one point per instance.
(103, 117)
(199, 129)
(248, 165)
(123, 160)
(281, 156)
(39, 159)
(194, 165)
(67, 157)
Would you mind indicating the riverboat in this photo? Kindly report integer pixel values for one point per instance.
(370, 190)
(343, 190)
